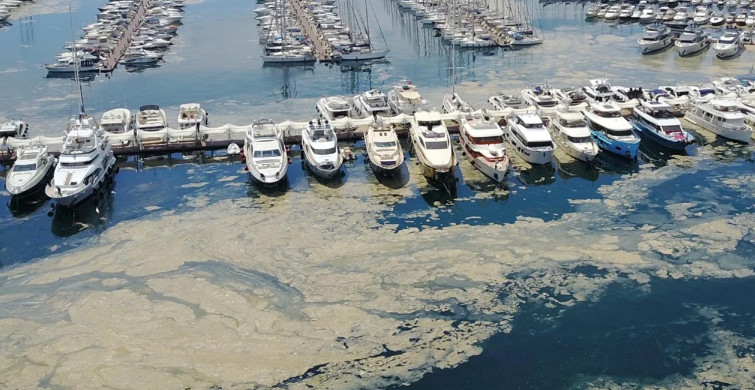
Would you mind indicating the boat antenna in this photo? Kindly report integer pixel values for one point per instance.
(76, 64)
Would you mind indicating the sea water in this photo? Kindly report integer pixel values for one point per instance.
(621, 274)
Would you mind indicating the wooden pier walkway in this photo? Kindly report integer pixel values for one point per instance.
(323, 51)
(124, 41)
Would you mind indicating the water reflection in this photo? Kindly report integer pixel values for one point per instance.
(23, 207)
(537, 175)
(577, 169)
(92, 213)
(256, 189)
(611, 163)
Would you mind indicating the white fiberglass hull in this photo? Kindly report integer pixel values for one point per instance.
(67, 197)
(31, 185)
(496, 171)
(648, 47)
(371, 55)
(736, 135)
(689, 49)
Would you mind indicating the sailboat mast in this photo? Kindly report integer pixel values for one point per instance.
(367, 24)
(76, 64)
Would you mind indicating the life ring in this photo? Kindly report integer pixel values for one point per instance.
(191, 116)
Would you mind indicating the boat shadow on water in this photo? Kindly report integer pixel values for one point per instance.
(536, 175)
(256, 189)
(23, 207)
(577, 169)
(618, 165)
(85, 77)
(92, 213)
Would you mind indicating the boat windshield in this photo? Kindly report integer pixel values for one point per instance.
(496, 139)
(76, 164)
(547, 103)
(533, 125)
(619, 133)
(24, 167)
(388, 144)
(607, 114)
(267, 153)
(436, 145)
(340, 114)
(540, 144)
(688, 38)
(672, 129)
(324, 151)
(429, 123)
(579, 140)
(573, 123)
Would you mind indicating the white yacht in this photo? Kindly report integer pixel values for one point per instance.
(85, 163)
(482, 141)
(334, 107)
(655, 37)
(119, 126)
(502, 101)
(599, 90)
(452, 102)
(570, 99)
(722, 117)
(191, 115)
(432, 144)
(610, 130)
(542, 98)
(69, 65)
(320, 147)
(372, 103)
(383, 148)
(265, 153)
(151, 118)
(529, 137)
(31, 171)
(658, 121)
(17, 128)
(571, 133)
(692, 40)
(729, 44)
(406, 99)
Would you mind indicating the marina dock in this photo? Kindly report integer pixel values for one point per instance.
(115, 55)
(322, 50)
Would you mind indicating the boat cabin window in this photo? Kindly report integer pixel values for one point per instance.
(436, 145)
(340, 114)
(607, 114)
(547, 103)
(267, 153)
(388, 144)
(579, 140)
(324, 152)
(429, 123)
(619, 133)
(76, 164)
(533, 125)
(572, 123)
(672, 129)
(540, 144)
(496, 139)
(24, 167)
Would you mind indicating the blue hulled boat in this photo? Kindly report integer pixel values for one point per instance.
(610, 130)
(659, 123)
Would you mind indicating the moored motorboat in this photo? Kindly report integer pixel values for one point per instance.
(610, 130)
(191, 115)
(528, 136)
(334, 107)
(30, 172)
(119, 126)
(406, 99)
(654, 38)
(383, 148)
(692, 40)
(729, 44)
(570, 131)
(265, 153)
(320, 147)
(722, 117)
(659, 123)
(372, 103)
(482, 142)
(432, 144)
(85, 163)
(15, 128)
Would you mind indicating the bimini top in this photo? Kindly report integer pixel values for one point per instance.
(149, 107)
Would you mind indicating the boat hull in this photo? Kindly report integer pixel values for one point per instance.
(648, 47)
(677, 145)
(688, 50)
(32, 188)
(496, 171)
(386, 170)
(373, 55)
(741, 136)
(621, 148)
(324, 172)
(72, 198)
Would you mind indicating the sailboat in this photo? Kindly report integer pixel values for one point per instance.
(362, 49)
(86, 161)
(524, 34)
(279, 46)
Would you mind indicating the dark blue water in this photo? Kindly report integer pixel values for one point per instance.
(630, 334)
